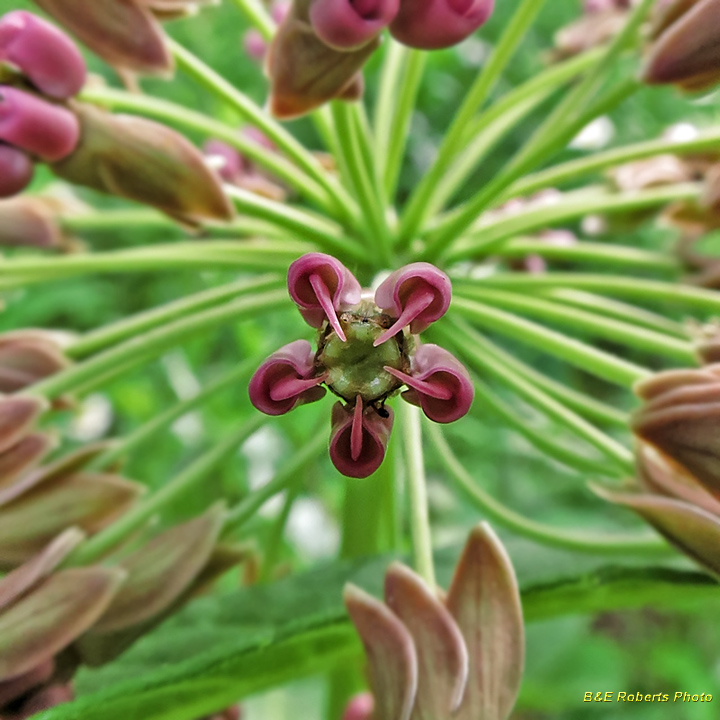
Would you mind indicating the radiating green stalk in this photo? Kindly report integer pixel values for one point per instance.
(258, 16)
(580, 402)
(193, 121)
(577, 353)
(287, 474)
(101, 338)
(222, 89)
(148, 345)
(478, 94)
(644, 544)
(707, 141)
(100, 544)
(488, 236)
(417, 493)
(616, 331)
(589, 252)
(484, 362)
(147, 431)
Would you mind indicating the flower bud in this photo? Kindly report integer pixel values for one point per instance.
(16, 172)
(436, 24)
(360, 707)
(286, 379)
(350, 24)
(439, 384)
(417, 295)
(12, 690)
(141, 160)
(28, 221)
(320, 286)
(124, 34)
(36, 126)
(359, 438)
(17, 416)
(44, 54)
(21, 458)
(27, 356)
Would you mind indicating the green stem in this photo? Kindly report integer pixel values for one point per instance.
(196, 472)
(142, 348)
(128, 327)
(258, 16)
(417, 493)
(541, 533)
(583, 356)
(588, 322)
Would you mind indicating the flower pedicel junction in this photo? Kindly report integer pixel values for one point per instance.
(540, 293)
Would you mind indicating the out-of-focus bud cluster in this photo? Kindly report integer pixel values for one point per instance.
(53, 618)
(40, 69)
(321, 45)
(367, 350)
(447, 656)
(32, 221)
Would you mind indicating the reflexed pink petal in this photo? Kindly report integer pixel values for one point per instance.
(441, 651)
(350, 24)
(392, 660)
(16, 171)
(354, 453)
(321, 286)
(44, 54)
(286, 379)
(417, 295)
(40, 128)
(435, 24)
(439, 383)
(484, 600)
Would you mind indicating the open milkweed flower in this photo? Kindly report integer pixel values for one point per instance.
(454, 656)
(367, 349)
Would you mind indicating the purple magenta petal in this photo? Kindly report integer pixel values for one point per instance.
(417, 295)
(46, 55)
(320, 285)
(40, 128)
(439, 383)
(361, 456)
(350, 24)
(435, 24)
(286, 379)
(16, 171)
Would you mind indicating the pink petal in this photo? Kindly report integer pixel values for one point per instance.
(16, 171)
(360, 707)
(350, 24)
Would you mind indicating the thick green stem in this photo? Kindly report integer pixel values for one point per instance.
(545, 534)
(256, 13)
(417, 493)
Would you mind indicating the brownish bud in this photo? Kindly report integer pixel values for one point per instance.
(27, 356)
(27, 221)
(17, 417)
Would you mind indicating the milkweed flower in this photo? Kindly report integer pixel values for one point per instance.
(367, 350)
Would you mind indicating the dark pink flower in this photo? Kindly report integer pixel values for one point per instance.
(320, 285)
(417, 295)
(44, 54)
(359, 438)
(286, 379)
(40, 128)
(350, 24)
(16, 171)
(438, 383)
(435, 24)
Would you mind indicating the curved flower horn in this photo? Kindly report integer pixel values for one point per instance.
(358, 439)
(36, 126)
(320, 285)
(350, 24)
(47, 56)
(16, 171)
(436, 24)
(286, 380)
(417, 294)
(438, 383)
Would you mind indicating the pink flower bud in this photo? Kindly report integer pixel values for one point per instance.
(417, 295)
(436, 24)
(36, 126)
(232, 167)
(350, 24)
(47, 56)
(360, 707)
(255, 45)
(16, 171)
(438, 383)
(286, 379)
(320, 285)
(359, 438)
